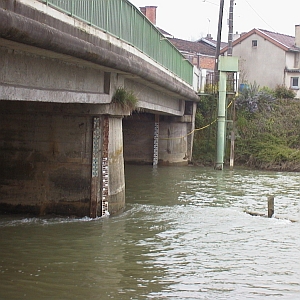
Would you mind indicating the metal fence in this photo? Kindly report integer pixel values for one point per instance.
(123, 20)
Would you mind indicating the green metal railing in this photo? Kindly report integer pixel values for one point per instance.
(124, 21)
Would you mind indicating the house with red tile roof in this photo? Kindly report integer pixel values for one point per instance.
(200, 53)
(268, 58)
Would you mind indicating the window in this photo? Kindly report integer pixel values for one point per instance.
(254, 43)
(295, 83)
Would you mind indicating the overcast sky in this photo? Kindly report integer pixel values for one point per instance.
(193, 19)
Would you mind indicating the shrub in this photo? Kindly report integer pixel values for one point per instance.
(253, 99)
(282, 92)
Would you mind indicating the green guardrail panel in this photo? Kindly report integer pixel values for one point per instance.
(122, 19)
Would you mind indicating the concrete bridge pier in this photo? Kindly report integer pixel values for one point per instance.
(64, 159)
(176, 139)
(159, 139)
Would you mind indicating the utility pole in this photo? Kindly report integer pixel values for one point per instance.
(219, 39)
(230, 28)
(221, 97)
(222, 67)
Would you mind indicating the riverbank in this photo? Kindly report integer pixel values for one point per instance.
(267, 134)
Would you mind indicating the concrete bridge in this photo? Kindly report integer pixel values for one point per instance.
(63, 138)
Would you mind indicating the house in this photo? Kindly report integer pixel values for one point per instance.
(268, 58)
(200, 53)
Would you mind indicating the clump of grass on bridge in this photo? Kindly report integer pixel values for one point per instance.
(126, 98)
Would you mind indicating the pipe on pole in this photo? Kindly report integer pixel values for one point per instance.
(221, 121)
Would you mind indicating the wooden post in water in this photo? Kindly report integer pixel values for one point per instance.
(270, 206)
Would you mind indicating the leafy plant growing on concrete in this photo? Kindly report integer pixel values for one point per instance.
(126, 98)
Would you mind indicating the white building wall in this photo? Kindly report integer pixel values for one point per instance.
(263, 64)
(292, 63)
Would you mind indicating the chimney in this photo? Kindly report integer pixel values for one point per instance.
(297, 36)
(236, 36)
(209, 37)
(150, 13)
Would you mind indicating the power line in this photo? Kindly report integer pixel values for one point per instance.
(260, 16)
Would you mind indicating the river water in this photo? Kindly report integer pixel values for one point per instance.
(184, 235)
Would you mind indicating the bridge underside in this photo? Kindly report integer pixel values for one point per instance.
(63, 141)
(49, 153)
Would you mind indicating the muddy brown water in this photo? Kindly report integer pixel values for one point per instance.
(184, 235)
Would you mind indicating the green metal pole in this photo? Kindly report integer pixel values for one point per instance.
(221, 121)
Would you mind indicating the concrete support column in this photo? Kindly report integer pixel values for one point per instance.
(191, 128)
(113, 198)
(174, 140)
(108, 181)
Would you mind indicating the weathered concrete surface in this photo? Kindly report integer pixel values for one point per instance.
(27, 25)
(138, 131)
(175, 139)
(45, 159)
(31, 77)
(116, 166)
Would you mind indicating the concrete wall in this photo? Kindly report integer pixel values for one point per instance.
(29, 75)
(138, 131)
(175, 140)
(46, 159)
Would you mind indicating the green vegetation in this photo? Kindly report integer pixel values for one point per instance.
(125, 98)
(267, 129)
(205, 135)
(281, 92)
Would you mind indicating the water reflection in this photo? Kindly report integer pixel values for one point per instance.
(184, 235)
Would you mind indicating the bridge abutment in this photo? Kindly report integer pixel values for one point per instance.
(47, 159)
